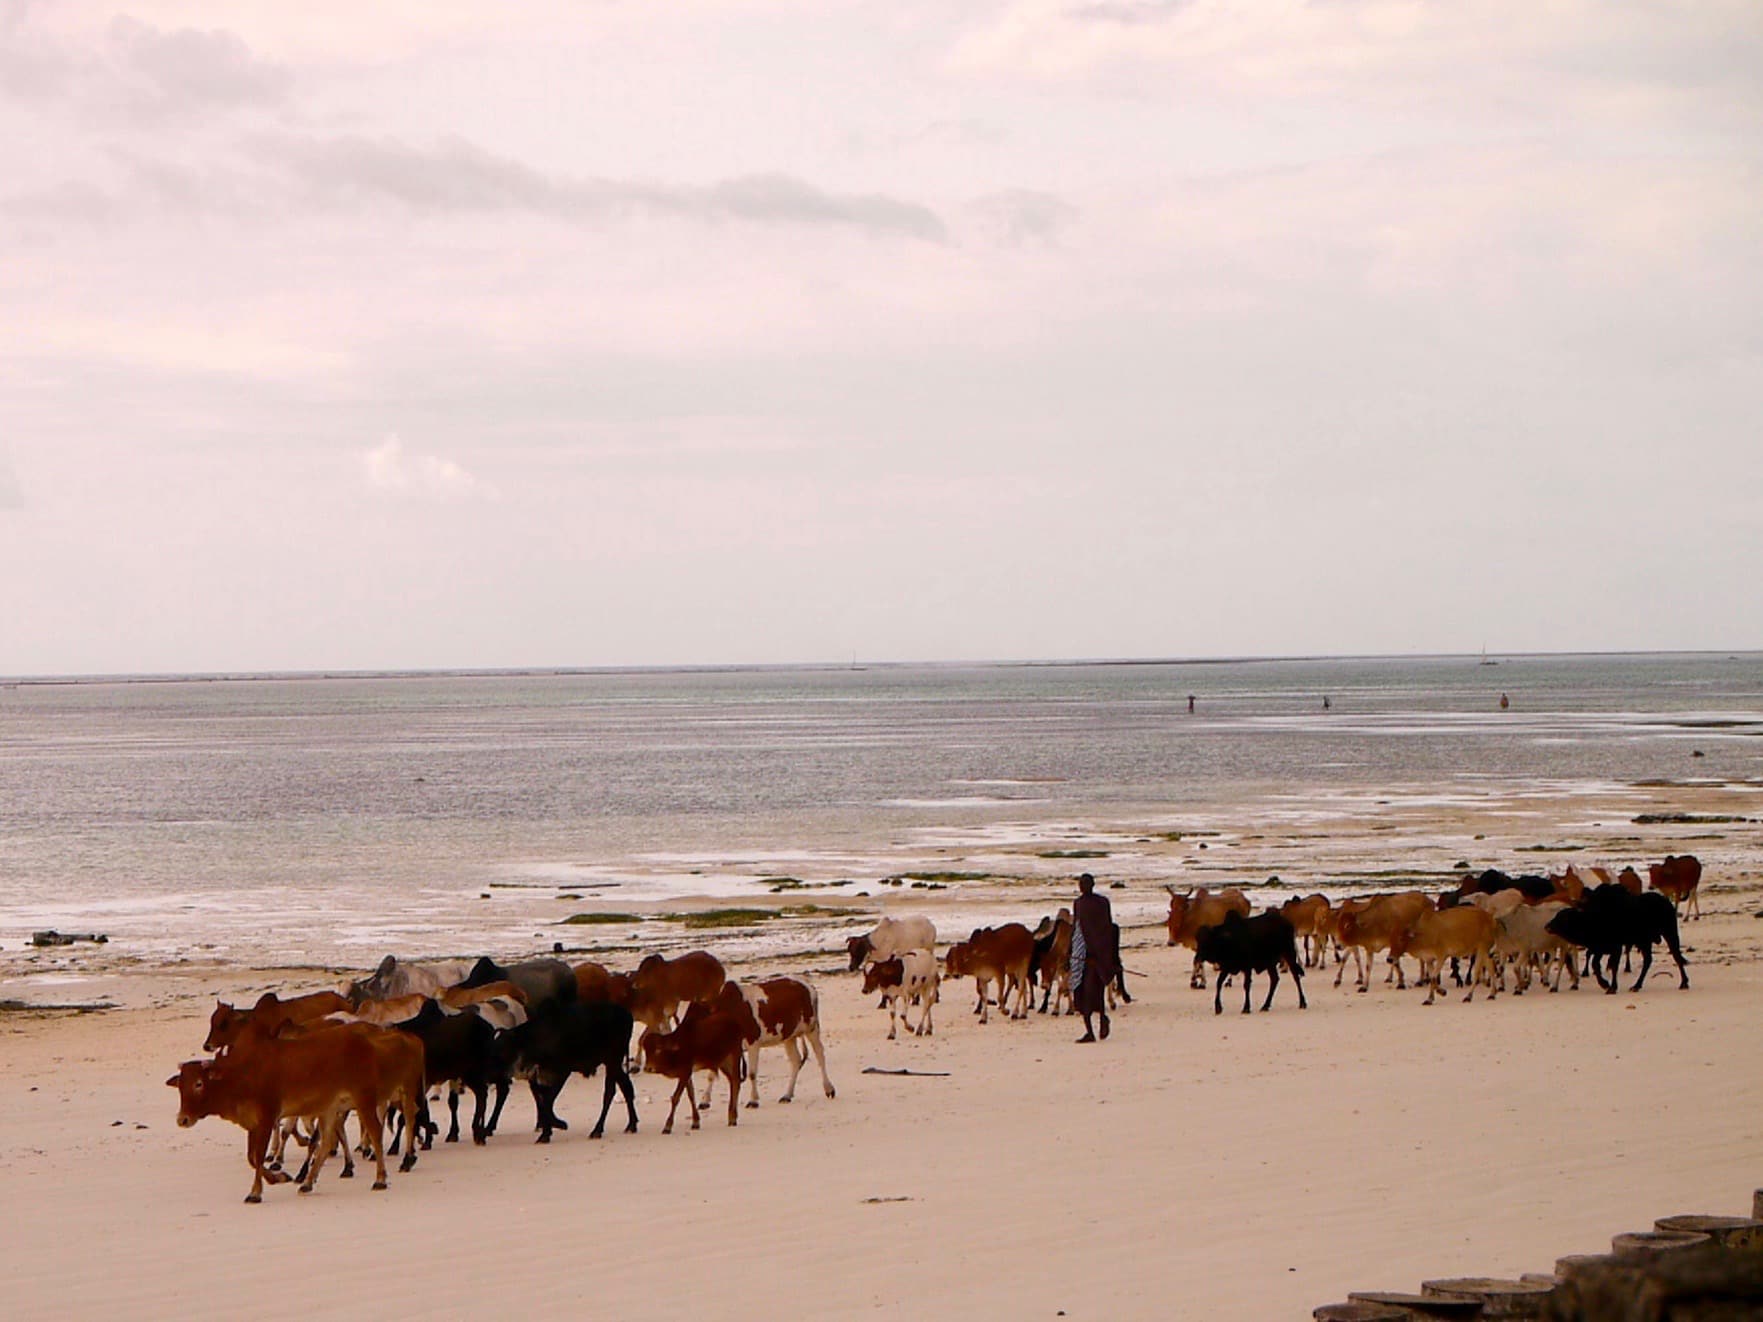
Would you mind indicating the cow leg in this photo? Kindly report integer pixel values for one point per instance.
(1272, 986)
(1298, 978)
(667, 1128)
(1218, 994)
(496, 1114)
(256, 1144)
(812, 1036)
(798, 1055)
(544, 1101)
(1475, 972)
(1646, 963)
(372, 1121)
(617, 1068)
(1248, 982)
(732, 1069)
(599, 1128)
(480, 1091)
(983, 1015)
(709, 1087)
(1197, 979)
(452, 1113)
(894, 1012)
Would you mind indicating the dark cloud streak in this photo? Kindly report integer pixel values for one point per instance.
(458, 177)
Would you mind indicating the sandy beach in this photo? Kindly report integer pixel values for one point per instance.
(1192, 1166)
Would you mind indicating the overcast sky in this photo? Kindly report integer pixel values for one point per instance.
(438, 334)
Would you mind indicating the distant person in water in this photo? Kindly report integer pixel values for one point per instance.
(1190, 704)
(1095, 955)
(1505, 702)
(1326, 704)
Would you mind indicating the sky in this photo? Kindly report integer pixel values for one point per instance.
(438, 334)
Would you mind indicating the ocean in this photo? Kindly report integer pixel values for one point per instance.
(331, 819)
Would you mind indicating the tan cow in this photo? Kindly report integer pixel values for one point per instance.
(1367, 928)
(1195, 910)
(1437, 935)
(1309, 917)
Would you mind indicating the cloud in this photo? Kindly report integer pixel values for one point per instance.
(1019, 215)
(456, 176)
(388, 466)
(189, 68)
(1129, 12)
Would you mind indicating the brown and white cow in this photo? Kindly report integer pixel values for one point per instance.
(906, 979)
(776, 1012)
(890, 937)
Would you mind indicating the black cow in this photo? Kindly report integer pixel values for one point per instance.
(1609, 920)
(1493, 881)
(1249, 946)
(459, 1049)
(578, 1037)
(543, 980)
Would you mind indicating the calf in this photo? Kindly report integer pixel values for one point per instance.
(1610, 920)
(262, 1078)
(1248, 946)
(906, 978)
(573, 1038)
(706, 1039)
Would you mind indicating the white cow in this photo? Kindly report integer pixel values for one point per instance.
(891, 937)
(1525, 939)
(908, 978)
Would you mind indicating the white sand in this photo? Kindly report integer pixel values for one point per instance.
(1193, 1166)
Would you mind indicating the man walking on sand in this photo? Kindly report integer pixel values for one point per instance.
(1094, 958)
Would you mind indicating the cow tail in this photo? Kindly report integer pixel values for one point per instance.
(743, 1058)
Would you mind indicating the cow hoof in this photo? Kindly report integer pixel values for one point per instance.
(782, 1101)
(667, 1128)
(831, 1091)
(254, 1198)
(306, 1188)
(405, 1165)
(379, 1184)
(451, 1138)
(347, 1175)
(598, 1133)
(631, 1128)
(543, 1138)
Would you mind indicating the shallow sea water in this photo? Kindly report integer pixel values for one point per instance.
(329, 820)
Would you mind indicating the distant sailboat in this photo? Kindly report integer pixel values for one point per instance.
(1484, 657)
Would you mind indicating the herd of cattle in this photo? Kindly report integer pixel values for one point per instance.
(381, 1047)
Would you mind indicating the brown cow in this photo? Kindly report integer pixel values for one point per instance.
(1677, 878)
(272, 1012)
(1309, 917)
(1368, 927)
(1437, 935)
(262, 1078)
(592, 982)
(1195, 910)
(995, 954)
(660, 986)
(706, 1039)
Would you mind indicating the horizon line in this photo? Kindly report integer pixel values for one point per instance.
(738, 667)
